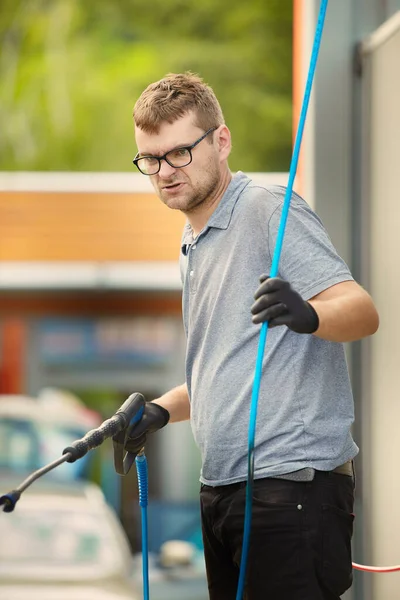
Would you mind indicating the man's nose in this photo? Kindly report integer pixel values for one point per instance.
(166, 170)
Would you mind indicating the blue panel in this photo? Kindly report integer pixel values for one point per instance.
(140, 340)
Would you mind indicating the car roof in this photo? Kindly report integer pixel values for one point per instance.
(39, 411)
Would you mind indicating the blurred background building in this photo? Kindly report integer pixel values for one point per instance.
(89, 283)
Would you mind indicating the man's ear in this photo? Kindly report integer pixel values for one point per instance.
(224, 142)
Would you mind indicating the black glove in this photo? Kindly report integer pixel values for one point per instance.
(154, 417)
(279, 304)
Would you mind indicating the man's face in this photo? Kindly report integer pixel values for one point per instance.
(185, 188)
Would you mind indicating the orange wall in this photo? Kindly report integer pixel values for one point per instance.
(84, 303)
(66, 226)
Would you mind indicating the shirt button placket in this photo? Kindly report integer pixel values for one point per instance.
(191, 270)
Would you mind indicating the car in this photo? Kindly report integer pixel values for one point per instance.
(63, 542)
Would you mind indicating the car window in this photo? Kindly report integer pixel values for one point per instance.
(26, 445)
(17, 444)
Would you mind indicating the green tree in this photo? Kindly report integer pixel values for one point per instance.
(70, 73)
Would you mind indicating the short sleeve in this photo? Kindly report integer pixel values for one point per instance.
(309, 261)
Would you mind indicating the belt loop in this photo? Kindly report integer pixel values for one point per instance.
(354, 473)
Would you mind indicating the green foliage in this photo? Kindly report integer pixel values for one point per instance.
(70, 73)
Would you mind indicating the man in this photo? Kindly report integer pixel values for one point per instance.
(304, 484)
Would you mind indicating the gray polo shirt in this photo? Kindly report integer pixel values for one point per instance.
(305, 408)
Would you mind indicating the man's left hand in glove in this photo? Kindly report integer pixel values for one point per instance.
(279, 304)
(154, 417)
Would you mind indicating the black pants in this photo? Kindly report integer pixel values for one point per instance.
(300, 543)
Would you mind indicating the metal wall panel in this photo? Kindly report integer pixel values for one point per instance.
(380, 264)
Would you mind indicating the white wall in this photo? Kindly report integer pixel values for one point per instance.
(381, 201)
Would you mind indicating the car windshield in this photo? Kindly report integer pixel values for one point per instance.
(56, 539)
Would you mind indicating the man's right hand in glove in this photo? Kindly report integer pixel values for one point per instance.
(154, 417)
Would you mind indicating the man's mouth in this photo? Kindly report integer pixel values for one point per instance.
(172, 186)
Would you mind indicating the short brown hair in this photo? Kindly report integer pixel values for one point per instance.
(173, 97)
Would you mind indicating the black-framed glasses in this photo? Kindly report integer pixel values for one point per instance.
(177, 158)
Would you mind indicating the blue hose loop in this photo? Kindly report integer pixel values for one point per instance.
(142, 475)
(274, 273)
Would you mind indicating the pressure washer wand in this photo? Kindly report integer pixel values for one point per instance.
(131, 408)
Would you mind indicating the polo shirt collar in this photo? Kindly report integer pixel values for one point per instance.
(221, 217)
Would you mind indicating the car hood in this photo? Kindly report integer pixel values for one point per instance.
(63, 592)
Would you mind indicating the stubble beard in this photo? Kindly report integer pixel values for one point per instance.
(197, 195)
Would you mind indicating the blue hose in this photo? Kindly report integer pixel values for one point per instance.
(142, 475)
(273, 273)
